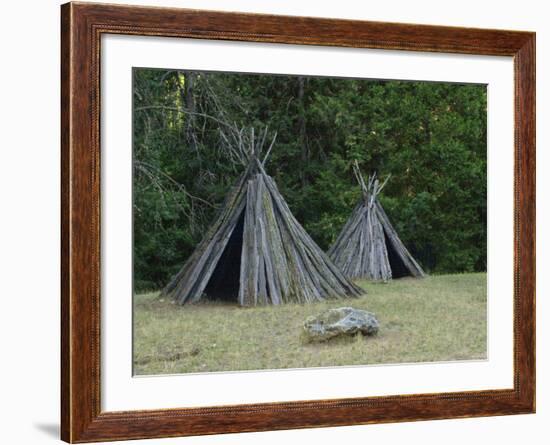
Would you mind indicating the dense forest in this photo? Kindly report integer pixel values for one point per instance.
(429, 136)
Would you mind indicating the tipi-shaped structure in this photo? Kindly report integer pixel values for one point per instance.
(368, 246)
(256, 252)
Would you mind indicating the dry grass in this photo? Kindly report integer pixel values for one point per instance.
(439, 318)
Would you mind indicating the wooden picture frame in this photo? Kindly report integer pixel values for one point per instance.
(82, 25)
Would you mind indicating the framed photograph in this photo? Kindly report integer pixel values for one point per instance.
(274, 222)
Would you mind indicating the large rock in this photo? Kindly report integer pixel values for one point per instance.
(342, 321)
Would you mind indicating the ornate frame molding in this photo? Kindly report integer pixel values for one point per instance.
(82, 25)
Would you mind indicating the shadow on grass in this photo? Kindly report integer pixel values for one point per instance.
(336, 341)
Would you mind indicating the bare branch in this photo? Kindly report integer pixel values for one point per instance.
(269, 149)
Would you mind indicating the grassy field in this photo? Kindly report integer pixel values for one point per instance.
(439, 318)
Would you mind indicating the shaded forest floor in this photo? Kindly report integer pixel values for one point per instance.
(440, 318)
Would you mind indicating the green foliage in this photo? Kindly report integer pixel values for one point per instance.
(431, 138)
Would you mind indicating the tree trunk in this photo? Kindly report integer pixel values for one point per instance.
(188, 101)
(302, 128)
